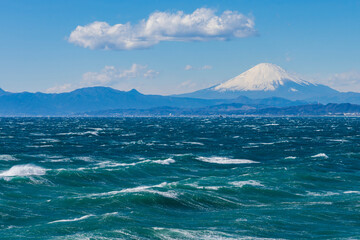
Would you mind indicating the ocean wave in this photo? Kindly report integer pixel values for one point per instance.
(84, 158)
(164, 162)
(323, 194)
(320, 155)
(290, 157)
(7, 157)
(194, 143)
(204, 187)
(139, 189)
(95, 133)
(339, 140)
(352, 192)
(249, 182)
(109, 164)
(72, 220)
(23, 170)
(225, 160)
(172, 233)
(272, 124)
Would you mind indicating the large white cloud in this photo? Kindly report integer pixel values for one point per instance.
(109, 76)
(201, 25)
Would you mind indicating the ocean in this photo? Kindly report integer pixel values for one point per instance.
(180, 178)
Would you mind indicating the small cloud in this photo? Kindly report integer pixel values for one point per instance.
(205, 67)
(60, 88)
(201, 25)
(108, 76)
(151, 73)
(188, 67)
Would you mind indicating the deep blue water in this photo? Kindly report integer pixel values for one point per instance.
(179, 178)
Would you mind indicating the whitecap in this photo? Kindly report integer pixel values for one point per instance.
(320, 155)
(7, 157)
(290, 157)
(225, 160)
(72, 220)
(204, 187)
(165, 162)
(109, 164)
(352, 192)
(194, 143)
(85, 159)
(173, 233)
(138, 189)
(23, 170)
(323, 194)
(249, 182)
(339, 140)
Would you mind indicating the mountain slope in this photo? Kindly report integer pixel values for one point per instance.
(263, 81)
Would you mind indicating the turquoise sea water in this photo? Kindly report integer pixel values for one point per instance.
(180, 178)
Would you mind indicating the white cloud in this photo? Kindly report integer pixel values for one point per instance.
(201, 25)
(345, 82)
(108, 76)
(205, 67)
(60, 88)
(188, 67)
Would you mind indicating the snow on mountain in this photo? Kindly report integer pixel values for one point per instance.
(263, 81)
(262, 77)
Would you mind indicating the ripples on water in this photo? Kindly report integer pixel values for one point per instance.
(179, 178)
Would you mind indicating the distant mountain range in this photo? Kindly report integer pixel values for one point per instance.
(87, 99)
(264, 89)
(331, 109)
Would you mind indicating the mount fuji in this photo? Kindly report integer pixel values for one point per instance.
(263, 81)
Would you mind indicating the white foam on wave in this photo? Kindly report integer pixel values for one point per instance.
(323, 194)
(194, 143)
(23, 170)
(225, 160)
(339, 140)
(204, 187)
(109, 164)
(173, 233)
(7, 157)
(290, 157)
(72, 220)
(95, 133)
(249, 182)
(138, 189)
(320, 155)
(164, 162)
(272, 124)
(352, 192)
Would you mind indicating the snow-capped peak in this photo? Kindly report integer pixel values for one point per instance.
(262, 77)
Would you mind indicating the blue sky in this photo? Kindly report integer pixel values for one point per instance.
(43, 50)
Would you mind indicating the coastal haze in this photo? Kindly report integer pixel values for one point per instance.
(256, 91)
